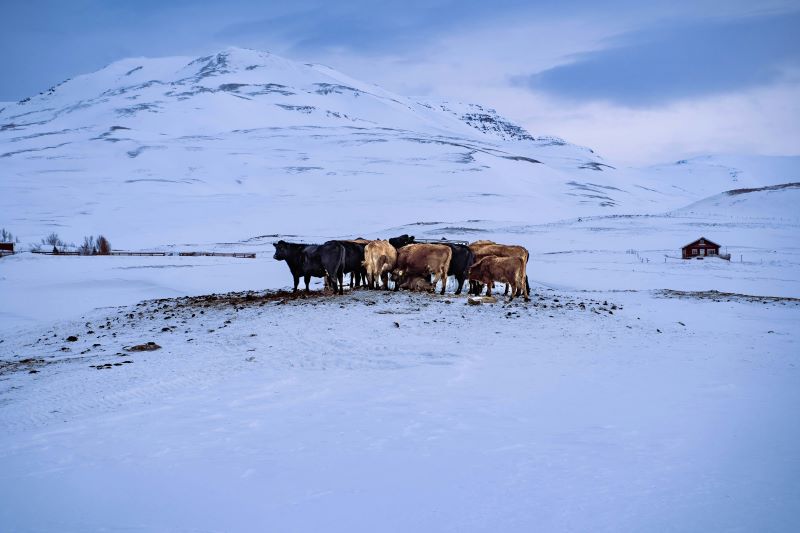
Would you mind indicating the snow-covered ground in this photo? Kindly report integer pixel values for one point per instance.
(392, 412)
(626, 396)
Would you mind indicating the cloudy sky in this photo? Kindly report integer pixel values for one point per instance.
(640, 82)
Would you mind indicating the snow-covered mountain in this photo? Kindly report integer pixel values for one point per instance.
(244, 143)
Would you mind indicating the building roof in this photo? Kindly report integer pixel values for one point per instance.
(702, 239)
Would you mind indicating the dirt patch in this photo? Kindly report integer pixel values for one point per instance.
(717, 296)
(31, 365)
(146, 347)
(237, 299)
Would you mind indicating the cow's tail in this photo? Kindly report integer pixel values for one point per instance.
(382, 263)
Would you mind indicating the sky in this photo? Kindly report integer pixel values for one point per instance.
(639, 82)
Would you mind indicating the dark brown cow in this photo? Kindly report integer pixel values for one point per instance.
(423, 260)
(484, 248)
(508, 270)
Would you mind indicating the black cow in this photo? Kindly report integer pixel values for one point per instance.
(297, 257)
(460, 263)
(354, 262)
(402, 240)
(326, 260)
(292, 253)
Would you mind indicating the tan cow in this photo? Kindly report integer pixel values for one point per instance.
(508, 270)
(417, 284)
(379, 259)
(484, 248)
(423, 260)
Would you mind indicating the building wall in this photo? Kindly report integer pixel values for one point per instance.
(701, 248)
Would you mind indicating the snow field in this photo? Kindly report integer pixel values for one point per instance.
(322, 413)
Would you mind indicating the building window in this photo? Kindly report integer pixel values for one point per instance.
(694, 251)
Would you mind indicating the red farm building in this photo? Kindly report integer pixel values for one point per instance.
(702, 247)
(6, 247)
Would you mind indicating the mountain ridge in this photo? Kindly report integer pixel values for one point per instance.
(242, 143)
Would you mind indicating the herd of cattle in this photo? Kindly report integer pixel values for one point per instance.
(410, 265)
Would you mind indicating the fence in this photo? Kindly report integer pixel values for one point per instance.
(154, 254)
(54, 253)
(240, 255)
(440, 241)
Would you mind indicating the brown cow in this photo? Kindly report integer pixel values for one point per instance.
(508, 270)
(422, 260)
(379, 259)
(484, 248)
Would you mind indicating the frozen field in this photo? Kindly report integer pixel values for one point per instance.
(639, 410)
(635, 392)
(394, 412)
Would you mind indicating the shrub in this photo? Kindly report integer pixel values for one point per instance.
(88, 247)
(6, 236)
(103, 246)
(54, 241)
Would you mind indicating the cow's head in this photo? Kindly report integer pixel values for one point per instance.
(402, 240)
(281, 250)
(396, 275)
(477, 270)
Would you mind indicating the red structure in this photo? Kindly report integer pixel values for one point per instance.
(7, 247)
(702, 247)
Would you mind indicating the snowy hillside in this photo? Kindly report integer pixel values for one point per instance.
(254, 140)
(245, 143)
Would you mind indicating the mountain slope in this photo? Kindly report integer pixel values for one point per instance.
(243, 143)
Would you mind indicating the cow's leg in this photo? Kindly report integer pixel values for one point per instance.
(524, 285)
(307, 279)
(385, 280)
(473, 287)
(489, 285)
(341, 281)
(296, 278)
(505, 293)
(330, 281)
(443, 277)
(460, 284)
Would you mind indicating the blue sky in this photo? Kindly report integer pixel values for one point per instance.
(663, 71)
